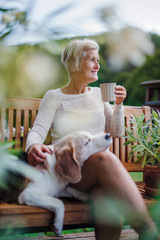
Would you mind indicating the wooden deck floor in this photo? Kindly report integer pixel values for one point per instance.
(127, 234)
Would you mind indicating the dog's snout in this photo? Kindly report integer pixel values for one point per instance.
(107, 136)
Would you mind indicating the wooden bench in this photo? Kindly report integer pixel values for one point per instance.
(18, 114)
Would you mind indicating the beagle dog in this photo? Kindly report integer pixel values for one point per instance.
(61, 168)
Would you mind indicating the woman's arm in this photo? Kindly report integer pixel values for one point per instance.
(41, 126)
(115, 117)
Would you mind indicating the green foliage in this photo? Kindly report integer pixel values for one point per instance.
(144, 138)
(131, 77)
(6, 162)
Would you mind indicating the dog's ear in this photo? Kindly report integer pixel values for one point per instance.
(67, 165)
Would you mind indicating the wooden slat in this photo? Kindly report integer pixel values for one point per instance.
(128, 234)
(147, 112)
(18, 128)
(10, 124)
(128, 148)
(111, 147)
(18, 216)
(116, 146)
(26, 127)
(131, 110)
(134, 158)
(33, 116)
(122, 155)
(23, 103)
(133, 167)
(2, 124)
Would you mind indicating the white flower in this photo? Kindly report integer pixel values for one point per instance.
(38, 72)
(129, 45)
(8, 18)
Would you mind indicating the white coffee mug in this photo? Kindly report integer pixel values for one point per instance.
(108, 92)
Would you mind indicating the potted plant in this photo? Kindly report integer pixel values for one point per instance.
(144, 138)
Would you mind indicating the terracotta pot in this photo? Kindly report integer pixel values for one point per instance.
(152, 180)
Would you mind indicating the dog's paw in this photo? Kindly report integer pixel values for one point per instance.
(57, 224)
(57, 228)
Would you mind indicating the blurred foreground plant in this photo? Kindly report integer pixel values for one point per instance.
(11, 16)
(11, 162)
(112, 211)
(27, 71)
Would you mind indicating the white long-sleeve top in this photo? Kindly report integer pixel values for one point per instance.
(62, 113)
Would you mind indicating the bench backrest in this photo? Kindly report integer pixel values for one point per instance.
(18, 114)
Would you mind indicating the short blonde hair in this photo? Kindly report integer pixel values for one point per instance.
(75, 51)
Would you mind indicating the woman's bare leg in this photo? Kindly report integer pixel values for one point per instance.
(106, 170)
(104, 227)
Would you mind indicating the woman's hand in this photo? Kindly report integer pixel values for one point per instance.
(120, 94)
(36, 154)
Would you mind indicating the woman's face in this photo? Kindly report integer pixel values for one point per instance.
(90, 66)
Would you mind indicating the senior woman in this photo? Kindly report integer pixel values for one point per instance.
(102, 170)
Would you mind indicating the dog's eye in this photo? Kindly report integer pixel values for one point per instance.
(87, 142)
